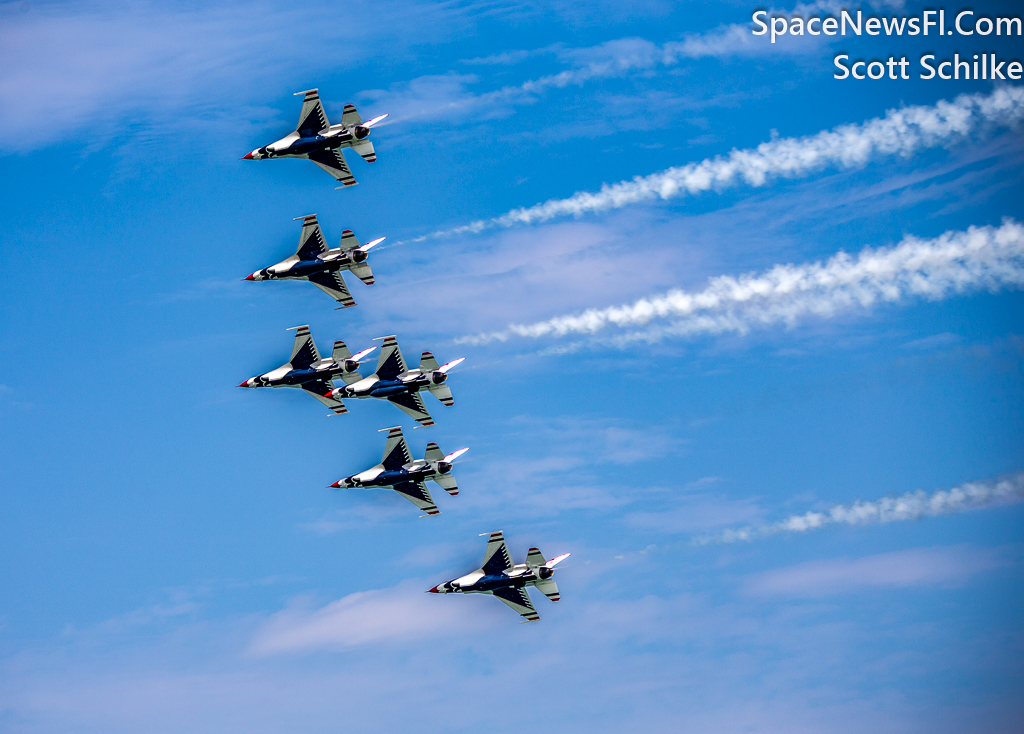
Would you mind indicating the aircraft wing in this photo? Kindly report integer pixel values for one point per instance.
(518, 599)
(332, 160)
(496, 557)
(417, 493)
(311, 239)
(390, 363)
(333, 285)
(412, 404)
(396, 451)
(312, 118)
(304, 351)
(319, 389)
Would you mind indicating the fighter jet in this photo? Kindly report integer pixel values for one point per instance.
(498, 576)
(397, 384)
(321, 142)
(305, 370)
(399, 472)
(322, 267)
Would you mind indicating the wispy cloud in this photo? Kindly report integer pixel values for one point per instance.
(902, 132)
(899, 569)
(401, 612)
(909, 506)
(151, 67)
(980, 258)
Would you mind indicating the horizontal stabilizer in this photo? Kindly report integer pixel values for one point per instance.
(365, 149)
(548, 588)
(447, 483)
(442, 393)
(428, 363)
(534, 558)
(363, 272)
(340, 352)
(350, 117)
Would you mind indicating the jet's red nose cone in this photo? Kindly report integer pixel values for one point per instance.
(247, 157)
(249, 277)
(336, 484)
(434, 590)
(245, 384)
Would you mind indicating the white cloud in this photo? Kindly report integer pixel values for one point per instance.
(909, 506)
(116, 68)
(398, 613)
(982, 258)
(899, 569)
(902, 132)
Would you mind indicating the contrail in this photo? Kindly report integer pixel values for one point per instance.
(901, 132)
(981, 258)
(909, 506)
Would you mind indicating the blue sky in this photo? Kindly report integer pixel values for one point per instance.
(172, 560)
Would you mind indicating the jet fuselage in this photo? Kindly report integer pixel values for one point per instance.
(416, 471)
(295, 145)
(293, 377)
(408, 382)
(480, 583)
(333, 260)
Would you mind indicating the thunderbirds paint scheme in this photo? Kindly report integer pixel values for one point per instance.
(398, 471)
(394, 382)
(306, 370)
(319, 141)
(507, 581)
(321, 266)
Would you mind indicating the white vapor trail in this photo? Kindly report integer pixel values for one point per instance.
(901, 132)
(981, 258)
(909, 506)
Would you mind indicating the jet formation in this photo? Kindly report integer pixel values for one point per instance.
(391, 381)
(321, 142)
(316, 262)
(507, 581)
(406, 476)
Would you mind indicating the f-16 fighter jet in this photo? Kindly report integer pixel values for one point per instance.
(399, 472)
(498, 576)
(322, 267)
(400, 386)
(321, 142)
(305, 370)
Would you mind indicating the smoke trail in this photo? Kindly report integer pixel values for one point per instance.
(901, 132)
(909, 506)
(982, 258)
